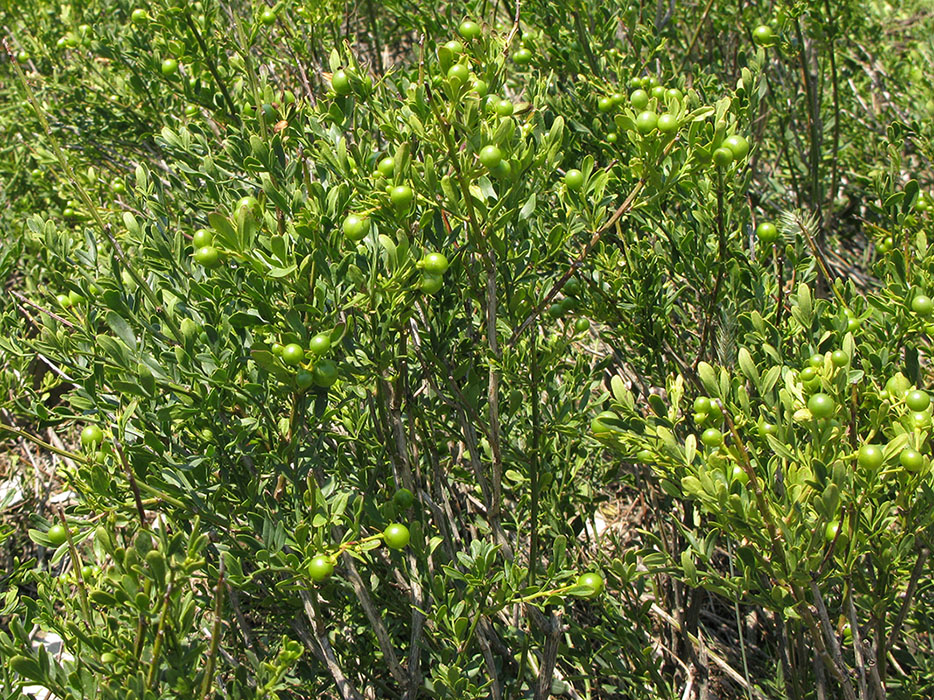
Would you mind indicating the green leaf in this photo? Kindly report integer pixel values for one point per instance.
(226, 234)
(122, 329)
(747, 366)
(131, 224)
(708, 378)
(27, 668)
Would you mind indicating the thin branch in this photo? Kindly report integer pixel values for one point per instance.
(733, 674)
(909, 594)
(373, 616)
(549, 657)
(216, 631)
(322, 646)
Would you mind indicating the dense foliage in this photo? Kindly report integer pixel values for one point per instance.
(466, 350)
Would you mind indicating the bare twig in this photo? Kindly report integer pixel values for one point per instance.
(376, 621)
(734, 675)
(549, 657)
(909, 594)
(322, 648)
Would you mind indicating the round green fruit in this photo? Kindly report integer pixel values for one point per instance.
(763, 35)
(712, 437)
(320, 567)
(574, 179)
(454, 47)
(502, 171)
(831, 530)
(320, 343)
(738, 146)
(139, 16)
(898, 385)
(591, 581)
(839, 358)
(202, 237)
(504, 108)
(57, 535)
(386, 166)
(572, 286)
(356, 227)
(918, 400)
(293, 354)
(912, 460)
(325, 373)
(490, 156)
(431, 283)
(599, 423)
(722, 157)
(821, 406)
(646, 122)
(208, 256)
(667, 123)
(469, 29)
(870, 456)
(582, 325)
(403, 498)
(922, 305)
(340, 81)
(249, 203)
(702, 405)
(639, 99)
(522, 57)
(458, 74)
(401, 197)
(169, 67)
(91, 437)
(435, 264)
(766, 428)
(304, 379)
(480, 87)
(737, 473)
(396, 536)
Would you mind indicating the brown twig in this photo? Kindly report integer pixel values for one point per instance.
(321, 645)
(44, 310)
(546, 671)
